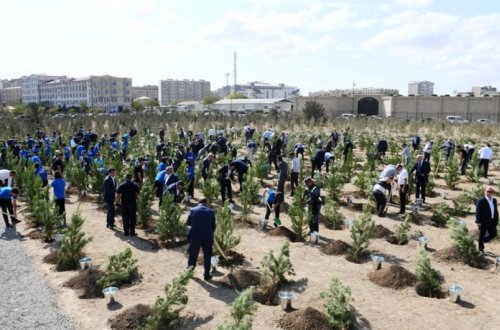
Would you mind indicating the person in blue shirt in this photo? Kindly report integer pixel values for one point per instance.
(40, 171)
(273, 202)
(191, 177)
(86, 162)
(162, 165)
(59, 186)
(35, 159)
(124, 148)
(159, 181)
(67, 152)
(8, 204)
(114, 145)
(190, 156)
(79, 150)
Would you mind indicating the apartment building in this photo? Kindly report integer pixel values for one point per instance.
(183, 90)
(421, 88)
(10, 95)
(150, 91)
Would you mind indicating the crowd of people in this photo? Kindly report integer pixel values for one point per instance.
(86, 148)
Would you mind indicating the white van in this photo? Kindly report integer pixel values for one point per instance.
(456, 120)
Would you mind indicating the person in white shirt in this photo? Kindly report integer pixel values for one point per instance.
(406, 154)
(403, 187)
(427, 151)
(295, 171)
(6, 177)
(485, 155)
(211, 134)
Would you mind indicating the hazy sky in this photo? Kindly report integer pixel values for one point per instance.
(314, 45)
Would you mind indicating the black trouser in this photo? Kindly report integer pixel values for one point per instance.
(314, 222)
(484, 163)
(281, 183)
(204, 175)
(294, 181)
(420, 185)
(159, 189)
(129, 218)
(327, 164)
(110, 216)
(241, 179)
(7, 208)
(61, 208)
(315, 166)
(269, 207)
(491, 228)
(427, 157)
(381, 202)
(402, 198)
(190, 188)
(225, 185)
(415, 147)
(463, 165)
(301, 153)
(273, 159)
(194, 250)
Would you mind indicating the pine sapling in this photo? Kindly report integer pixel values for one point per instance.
(249, 194)
(224, 232)
(144, 203)
(441, 214)
(210, 190)
(461, 205)
(452, 175)
(361, 232)
(401, 233)
(278, 267)
(333, 218)
(241, 313)
(167, 309)
(169, 225)
(122, 268)
(73, 243)
(299, 215)
(428, 279)
(464, 242)
(337, 297)
(334, 184)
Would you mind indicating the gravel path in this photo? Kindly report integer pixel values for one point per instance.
(26, 301)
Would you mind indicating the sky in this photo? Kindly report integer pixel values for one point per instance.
(314, 45)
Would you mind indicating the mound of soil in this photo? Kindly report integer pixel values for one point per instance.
(241, 279)
(52, 258)
(35, 234)
(356, 207)
(283, 231)
(448, 254)
(382, 232)
(133, 318)
(395, 277)
(267, 295)
(335, 248)
(86, 284)
(424, 293)
(171, 245)
(417, 218)
(233, 259)
(304, 319)
(393, 240)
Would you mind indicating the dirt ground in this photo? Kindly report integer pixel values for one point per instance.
(375, 307)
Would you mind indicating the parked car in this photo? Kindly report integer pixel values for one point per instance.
(347, 116)
(485, 121)
(456, 120)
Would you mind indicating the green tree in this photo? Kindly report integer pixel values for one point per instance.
(211, 98)
(224, 232)
(464, 242)
(73, 243)
(428, 279)
(361, 232)
(169, 225)
(144, 203)
(122, 268)
(298, 214)
(278, 267)
(313, 110)
(242, 310)
(402, 230)
(237, 96)
(249, 194)
(18, 109)
(138, 105)
(167, 309)
(336, 304)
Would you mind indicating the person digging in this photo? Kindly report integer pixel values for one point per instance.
(273, 202)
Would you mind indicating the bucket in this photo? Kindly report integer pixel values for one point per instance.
(286, 300)
(314, 237)
(110, 294)
(214, 261)
(85, 263)
(454, 291)
(263, 224)
(422, 242)
(377, 261)
(58, 237)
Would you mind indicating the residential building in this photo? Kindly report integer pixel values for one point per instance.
(150, 91)
(261, 90)
(247, 105)
(420, 88)
(111, 94)
(484, 91)
(182, 90)
(10, 95)
(6, 83)
(356, 91)
(30, 86)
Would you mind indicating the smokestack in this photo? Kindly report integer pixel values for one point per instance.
(235, 72)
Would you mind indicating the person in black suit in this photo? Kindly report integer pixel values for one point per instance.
(205, 166)
(127, 194)
(201, 219)
(241, 168)
(487, 217)
(317, 161)
(170, 178)
(415, 142)
(177, 190)
(422, 170)
(225, 177)
(109, 197)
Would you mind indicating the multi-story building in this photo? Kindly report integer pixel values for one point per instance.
(150, 91)
(421, 88)
(30, 86)
(356, 91)
(6, 83)
(183, 90)
(260, 90)
(484, 90)
(10, 95)
(108, 93)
